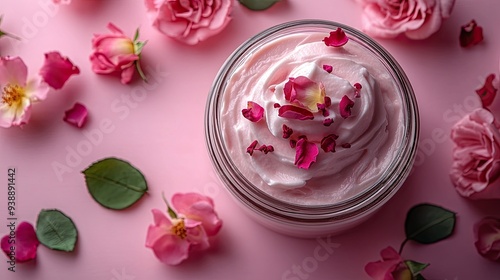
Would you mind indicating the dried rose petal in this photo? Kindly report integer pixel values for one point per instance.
(305, 153)
(345, 106)
(287, 132)
(252, 147)
(76, 116)
(57, 69)
(487, 92)
(276, 105)
(304, 92)
(327, 121)
(266, 149)
(254, 112)
(328, 68)
(294, 112)
(328, 101)
(328, 143)
(357, 88)
(337, 38)
(293, 143)
(346, 145)
(471, 34)
(323, 110)
(26, 243)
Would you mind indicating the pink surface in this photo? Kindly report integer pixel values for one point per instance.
(162, 133)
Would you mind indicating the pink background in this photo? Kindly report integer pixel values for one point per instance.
(162, 133)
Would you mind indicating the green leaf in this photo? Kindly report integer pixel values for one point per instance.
(415, 267)
(170, 211)
(56, 231)
(426, 223)
(258, 5)
(114, 183)
(136, 35)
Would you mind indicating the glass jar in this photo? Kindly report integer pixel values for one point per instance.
(294, 210)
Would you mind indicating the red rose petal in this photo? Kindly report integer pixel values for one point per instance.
(328, 143)
(26, 243)
(357, 88)
(276, 105)
(327, 121)
(346, 145)
(57, 69)
(345, 106)
(305, 153)
(337, 38)
(77, 115)
(328, 68)
(252, 147)
(471, 34)
(487, 92)
(294, 112)
(254, 112)
(266, 149)
(287, 132)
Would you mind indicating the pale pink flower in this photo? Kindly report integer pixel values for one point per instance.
(476, 156)
(415, 18)
(189, 227)
(57, 69)
(391, 267)
(116, 53)
(487, 234)
(25, 242)
(189, 21)
(18, 93)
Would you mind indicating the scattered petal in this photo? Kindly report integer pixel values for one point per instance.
(293, 143)
(77, 115)
(305, 153)
(266, 149)
(57, 69)
(346, 145)
(337, 38)
(328, 143)
(294, 112)
(252, 147)
(487, 92)
(328, 68)
(471, 34)
(287, 132)
(328, 101)
(487, 235)
(327, 121)
(323, 110)
(254, 112)
(305, 92)
(345, 106)
(276, 105)
(357, 89)
(26, 243)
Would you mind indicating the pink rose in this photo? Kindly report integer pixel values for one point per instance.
(188, 228)
(417, 19)
(189, 21)
(391, 267)
(487, 234)
(116, 53)
(476, 156)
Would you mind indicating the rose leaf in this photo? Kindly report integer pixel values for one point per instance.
(56, 231)
(426, 223)
(258, 5)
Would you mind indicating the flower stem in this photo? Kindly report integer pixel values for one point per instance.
(402, 246)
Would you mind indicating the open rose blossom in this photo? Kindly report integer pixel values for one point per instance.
(414, 18)
(18, 93)
(117, 53)
(476, 156)
(189, 21)
(188, 228)
(26, 243)
(487, 235)
(391, 267)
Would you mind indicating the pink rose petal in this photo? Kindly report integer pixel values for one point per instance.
(471, 34)
(337, 38)
(198, 207)
(391, 266)
(26, 243)
(76, 116)
(487, 235)
(487, 92)
(357, 89)
(345, 106)
(304, 92)
(252, 147)
(294, 112)
(287, 132)
(327, 121)
(305, 153)
(266, 149)
(328, 143)
(57, 69)
(328, 68)
(254, 112)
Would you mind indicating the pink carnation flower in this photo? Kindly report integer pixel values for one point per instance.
(416, 19)
(187, 229)
(189, 21)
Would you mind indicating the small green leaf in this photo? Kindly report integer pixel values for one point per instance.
(56, 231)
(258, 5)
(114, 183)
(426, 223)
(415, 267)
(136, 35)
(170, 211)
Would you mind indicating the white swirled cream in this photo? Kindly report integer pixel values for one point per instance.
(365, 142)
